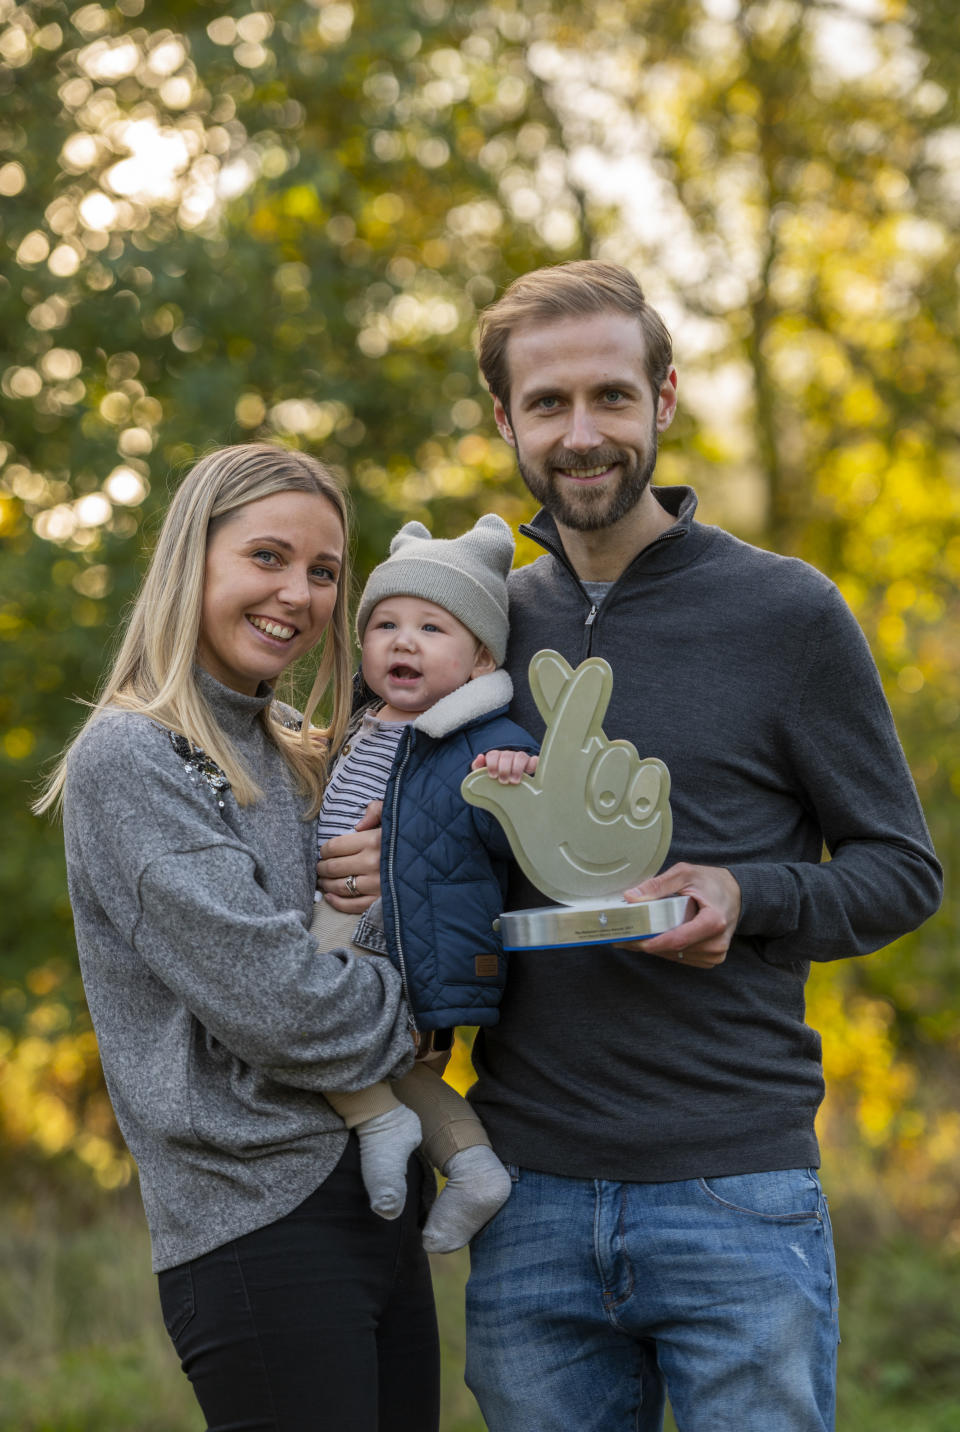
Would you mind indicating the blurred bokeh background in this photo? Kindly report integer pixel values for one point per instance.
(219, 223)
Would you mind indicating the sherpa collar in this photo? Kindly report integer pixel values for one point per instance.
(476, 698)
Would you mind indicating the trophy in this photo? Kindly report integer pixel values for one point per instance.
(593, 820)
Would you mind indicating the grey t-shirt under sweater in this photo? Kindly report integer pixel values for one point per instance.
(219, 1021)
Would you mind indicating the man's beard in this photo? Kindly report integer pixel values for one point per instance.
(587, 509)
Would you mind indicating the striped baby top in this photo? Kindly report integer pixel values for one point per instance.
(359, 776)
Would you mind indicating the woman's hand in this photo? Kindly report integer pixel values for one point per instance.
(348, 871)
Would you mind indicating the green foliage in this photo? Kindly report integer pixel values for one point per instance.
(82, 1342)
(901, 1340)
(299, 255)
(322, 197)
(80, 1330)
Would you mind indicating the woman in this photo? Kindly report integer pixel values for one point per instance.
(188, 798)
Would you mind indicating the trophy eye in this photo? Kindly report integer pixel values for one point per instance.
(607, 782)
(644, 792)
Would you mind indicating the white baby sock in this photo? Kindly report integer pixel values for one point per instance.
(477, 1186)
(386, 1143)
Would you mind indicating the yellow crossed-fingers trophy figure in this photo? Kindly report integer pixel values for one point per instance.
(594, 819)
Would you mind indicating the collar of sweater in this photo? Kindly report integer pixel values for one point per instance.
(676, 547)
(236, 713)
(476, 698)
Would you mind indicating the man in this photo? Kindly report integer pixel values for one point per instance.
(656, 1103)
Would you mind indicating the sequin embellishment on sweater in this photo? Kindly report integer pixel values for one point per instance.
(198, 763)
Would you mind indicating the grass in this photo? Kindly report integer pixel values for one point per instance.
(83, 1348)
(82, 1344)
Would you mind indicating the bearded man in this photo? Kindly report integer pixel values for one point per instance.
(655, 1103)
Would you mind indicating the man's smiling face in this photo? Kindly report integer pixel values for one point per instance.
(582, 416)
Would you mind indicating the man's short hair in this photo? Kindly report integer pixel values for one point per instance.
(578, 289)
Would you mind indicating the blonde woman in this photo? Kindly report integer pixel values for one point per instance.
(187, 802)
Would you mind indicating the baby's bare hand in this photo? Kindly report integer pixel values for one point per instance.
(507, 767)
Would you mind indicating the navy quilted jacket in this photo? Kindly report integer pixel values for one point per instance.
(444, 862)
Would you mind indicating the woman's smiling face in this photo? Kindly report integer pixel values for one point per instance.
(270, 586)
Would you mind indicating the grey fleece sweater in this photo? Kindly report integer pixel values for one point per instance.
(746, 673)
(218, 1019)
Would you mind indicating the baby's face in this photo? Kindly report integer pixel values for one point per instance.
(415, 652)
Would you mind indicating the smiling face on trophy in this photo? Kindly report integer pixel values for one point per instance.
(595, 818)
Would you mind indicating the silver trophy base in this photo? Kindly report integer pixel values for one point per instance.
(596, 923)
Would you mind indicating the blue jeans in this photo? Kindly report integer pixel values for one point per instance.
(589, 1300)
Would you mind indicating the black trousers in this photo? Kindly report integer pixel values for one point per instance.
(321, 1322)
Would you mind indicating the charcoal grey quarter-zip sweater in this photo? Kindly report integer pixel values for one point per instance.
(746, 673)
(218, 1019)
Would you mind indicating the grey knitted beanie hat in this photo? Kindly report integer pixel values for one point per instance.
(465, 575)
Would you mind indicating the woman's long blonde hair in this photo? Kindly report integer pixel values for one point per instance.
(154, 670)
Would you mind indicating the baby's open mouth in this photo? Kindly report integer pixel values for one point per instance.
(404, 673)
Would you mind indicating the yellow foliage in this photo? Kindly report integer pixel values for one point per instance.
(861, 406)
(86, 613)
(930, 608)
(943, 1139)
(859, 1053)
(42, 980)
(473, 449)
(263, 223)
(54, 1126)
(743, 98)
(11, 622)
(891, 632)
(42, 1078)
(435, 253)
(459, 1072)
(9, 515)
(19, 742)
(910, 679)
(879, 1122)
(302, 202)
(69, 1063)
(250, 410)
(901, 595)
(49, 1017)
(853, 590)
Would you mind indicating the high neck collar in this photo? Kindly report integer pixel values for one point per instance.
(234, 711)
(674, 547)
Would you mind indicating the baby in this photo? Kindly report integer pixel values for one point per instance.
(433, 629)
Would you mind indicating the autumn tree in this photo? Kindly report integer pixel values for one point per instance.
(222, 222)
(784, 176)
